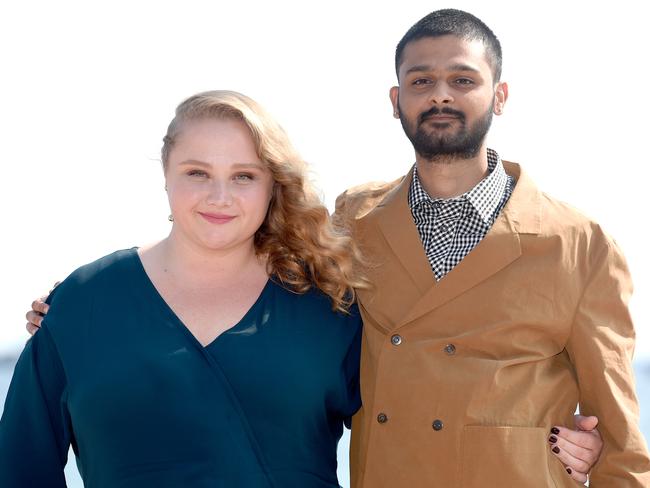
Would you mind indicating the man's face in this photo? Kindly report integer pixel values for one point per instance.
(446, 97)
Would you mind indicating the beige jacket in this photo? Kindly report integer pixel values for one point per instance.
(462, 379)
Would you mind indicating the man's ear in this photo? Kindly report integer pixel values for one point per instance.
(500, 97)
(394, 99)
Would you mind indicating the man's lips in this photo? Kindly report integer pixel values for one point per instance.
(216, 218)
(440, 118)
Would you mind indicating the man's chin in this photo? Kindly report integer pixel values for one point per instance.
(444, 153)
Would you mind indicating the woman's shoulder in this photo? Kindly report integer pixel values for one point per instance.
(112, 266)
(74, 297)
(315, 307)
(105, 271)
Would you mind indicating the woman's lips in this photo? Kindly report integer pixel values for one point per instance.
(217, 218)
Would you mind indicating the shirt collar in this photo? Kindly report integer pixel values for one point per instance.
(484, 197)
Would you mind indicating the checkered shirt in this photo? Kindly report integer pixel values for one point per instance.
(451, 228)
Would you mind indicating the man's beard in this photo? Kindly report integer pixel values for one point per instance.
(439, 147)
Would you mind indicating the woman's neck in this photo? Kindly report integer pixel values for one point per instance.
(204, 267)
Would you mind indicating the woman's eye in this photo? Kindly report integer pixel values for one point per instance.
(197, 173)
(244, 177)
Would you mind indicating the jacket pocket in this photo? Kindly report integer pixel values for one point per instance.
(509, 457)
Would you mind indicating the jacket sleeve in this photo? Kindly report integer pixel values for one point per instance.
(35, 431)
(601, 346)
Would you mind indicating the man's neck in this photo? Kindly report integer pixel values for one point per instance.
(449, 178)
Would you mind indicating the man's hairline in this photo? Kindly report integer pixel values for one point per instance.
(435, 36)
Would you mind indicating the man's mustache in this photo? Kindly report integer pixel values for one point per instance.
(437, 111)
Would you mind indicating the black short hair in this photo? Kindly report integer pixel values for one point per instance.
(456, 23)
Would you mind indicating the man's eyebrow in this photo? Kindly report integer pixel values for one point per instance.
(464, 67)
(419, 68)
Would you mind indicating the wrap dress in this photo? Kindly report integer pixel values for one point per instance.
(115, 374)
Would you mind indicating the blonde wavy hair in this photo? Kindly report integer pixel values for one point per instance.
(301, 245)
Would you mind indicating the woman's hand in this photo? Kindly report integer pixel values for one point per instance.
(577, 449)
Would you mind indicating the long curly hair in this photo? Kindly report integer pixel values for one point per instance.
(302, 247)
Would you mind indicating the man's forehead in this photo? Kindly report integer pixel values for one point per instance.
(444, 52)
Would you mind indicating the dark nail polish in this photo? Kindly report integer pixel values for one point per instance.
(568, 470)
(556, 450)
(552, 439)
(555, 430)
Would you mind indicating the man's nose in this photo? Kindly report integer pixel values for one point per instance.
(440, 94)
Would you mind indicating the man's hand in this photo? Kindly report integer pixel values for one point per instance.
(577, 449)
(39, 310)
(35, 315)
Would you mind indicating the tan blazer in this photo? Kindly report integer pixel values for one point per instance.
(462, 379)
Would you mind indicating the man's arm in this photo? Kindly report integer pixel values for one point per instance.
(601, 346)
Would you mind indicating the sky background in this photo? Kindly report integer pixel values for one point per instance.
(87, 90)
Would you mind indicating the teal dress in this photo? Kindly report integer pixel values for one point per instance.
(114, 373)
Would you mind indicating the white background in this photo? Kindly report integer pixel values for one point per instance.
(87, 89)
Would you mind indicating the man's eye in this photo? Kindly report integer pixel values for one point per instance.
(421, 81)
(464, 81)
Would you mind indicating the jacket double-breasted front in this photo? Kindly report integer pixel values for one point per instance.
(463, 378)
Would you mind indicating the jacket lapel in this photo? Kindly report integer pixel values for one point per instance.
(398, 267)
(500, 247)
(398, 228)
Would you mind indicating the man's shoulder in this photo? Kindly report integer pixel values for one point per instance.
(555, 214)
(358, 201)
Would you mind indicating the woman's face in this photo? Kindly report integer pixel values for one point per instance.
(218, 189)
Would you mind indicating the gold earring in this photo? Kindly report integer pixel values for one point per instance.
(170, 218)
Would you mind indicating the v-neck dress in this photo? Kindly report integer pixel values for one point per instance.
(114, 373)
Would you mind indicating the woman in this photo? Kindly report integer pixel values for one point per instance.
(226, 354)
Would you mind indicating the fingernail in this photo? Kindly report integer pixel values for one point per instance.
(556, 450)
(552, 439)
(568, 470)
(555, 430)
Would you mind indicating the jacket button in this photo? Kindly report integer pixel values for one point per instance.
(396, 340)
(437, 425)
(450, 349)
(382, 418)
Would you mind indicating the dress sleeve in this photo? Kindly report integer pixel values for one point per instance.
(351, 369)
(35, 431)
(601, 348)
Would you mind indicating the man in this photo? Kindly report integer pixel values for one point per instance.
(494, 310)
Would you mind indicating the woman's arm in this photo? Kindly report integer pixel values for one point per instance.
(35, 431)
